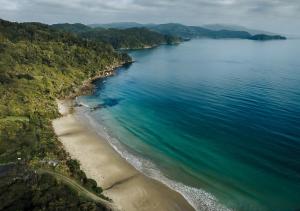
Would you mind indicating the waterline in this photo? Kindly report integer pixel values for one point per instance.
(198, 198)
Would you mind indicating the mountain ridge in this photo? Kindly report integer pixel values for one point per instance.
(236, 28)
(216, 31)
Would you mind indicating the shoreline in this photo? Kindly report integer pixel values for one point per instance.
(87, 85)
(126, 186)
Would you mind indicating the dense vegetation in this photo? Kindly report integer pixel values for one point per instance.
(37, 65)
(131, 38)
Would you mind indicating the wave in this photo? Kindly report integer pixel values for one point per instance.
(198, 198)
(78, 102)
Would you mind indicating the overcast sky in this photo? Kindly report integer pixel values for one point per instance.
(273, 15)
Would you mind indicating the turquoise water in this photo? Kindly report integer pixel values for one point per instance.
(217, 120)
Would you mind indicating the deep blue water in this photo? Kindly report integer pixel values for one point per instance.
(220, 116)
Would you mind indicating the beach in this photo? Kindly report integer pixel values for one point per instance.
(127, 187)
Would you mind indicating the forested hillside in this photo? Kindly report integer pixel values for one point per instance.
(37, 65)
(190, 32)
(132, 38)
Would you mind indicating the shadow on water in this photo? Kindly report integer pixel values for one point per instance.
(107, 102)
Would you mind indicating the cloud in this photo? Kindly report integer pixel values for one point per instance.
(264, 14)
(9, 5)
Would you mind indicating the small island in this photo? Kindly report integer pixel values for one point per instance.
(264, 37)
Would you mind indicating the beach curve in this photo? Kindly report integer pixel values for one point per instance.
(127, 187)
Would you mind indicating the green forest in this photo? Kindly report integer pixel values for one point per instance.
(132, 38)
(39, 64)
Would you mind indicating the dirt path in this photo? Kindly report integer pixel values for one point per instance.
(83, 191)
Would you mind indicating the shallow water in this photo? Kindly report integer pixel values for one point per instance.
(218, 120)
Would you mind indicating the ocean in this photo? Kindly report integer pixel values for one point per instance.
(216, 120)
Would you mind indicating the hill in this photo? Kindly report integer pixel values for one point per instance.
(118, 25)
(218, 27)
(130, 38)
(215, 31)
(74, 28)
(39, 64)
(197, 32)
(264, 37)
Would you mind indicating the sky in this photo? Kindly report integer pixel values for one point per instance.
(282, 16)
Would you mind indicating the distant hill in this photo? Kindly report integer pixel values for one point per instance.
(197, 32)
(128, 38)
(176, 29)
(264, 37)
(218, 27)
(215, 31)
(75, 28)
(119, 25)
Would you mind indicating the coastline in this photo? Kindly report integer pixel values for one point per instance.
(87, 85)
(126, 186)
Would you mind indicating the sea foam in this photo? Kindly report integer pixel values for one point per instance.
(198, 198)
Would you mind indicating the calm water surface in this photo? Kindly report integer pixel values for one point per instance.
(218, 120)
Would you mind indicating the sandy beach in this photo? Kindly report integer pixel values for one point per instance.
(129, 189)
